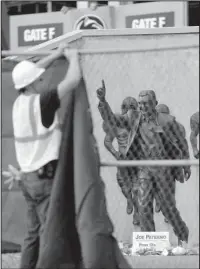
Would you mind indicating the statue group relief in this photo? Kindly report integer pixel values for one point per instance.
(145, 130)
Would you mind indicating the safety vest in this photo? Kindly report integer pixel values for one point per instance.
(35, 145)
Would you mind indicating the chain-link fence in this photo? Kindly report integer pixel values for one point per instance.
(145, 132)
(130, 125)
(139, 115)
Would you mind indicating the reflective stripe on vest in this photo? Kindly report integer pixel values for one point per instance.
(35, 136)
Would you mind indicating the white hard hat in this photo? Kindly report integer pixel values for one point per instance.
(25, 73)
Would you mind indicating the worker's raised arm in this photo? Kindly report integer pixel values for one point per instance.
(47, 61)
(73, 75)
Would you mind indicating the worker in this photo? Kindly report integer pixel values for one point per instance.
(37, 137)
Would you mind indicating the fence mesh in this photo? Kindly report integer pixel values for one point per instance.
(129, 127)
(143, 129)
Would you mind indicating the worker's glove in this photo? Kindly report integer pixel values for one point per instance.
(13, 175)
(101, 92)
(71, 53)
(61, 48)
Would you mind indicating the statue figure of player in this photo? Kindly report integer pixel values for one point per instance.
(194, 125)
(153, 136)
(125, 176)
(162, 108)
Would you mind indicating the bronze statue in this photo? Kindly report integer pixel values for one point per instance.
(153, 136)
(162, 108)
(194, 125)
(125, 176)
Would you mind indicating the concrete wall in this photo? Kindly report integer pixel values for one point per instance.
(167, 63)
(165, 60)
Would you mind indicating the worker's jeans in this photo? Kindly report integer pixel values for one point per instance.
(37, 194)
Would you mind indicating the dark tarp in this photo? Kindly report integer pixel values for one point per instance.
(5, 27)
(78, 227)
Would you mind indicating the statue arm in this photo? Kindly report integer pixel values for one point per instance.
(180, 139)
(185, 142)
(182, 145)
(193, 135)
(109, 138)
(182, 129)
(107, 113)
(108, 143)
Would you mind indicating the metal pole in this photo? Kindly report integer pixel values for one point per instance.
(150, 163)
(19, 8)
(37, 8)
(186, 13)
(95, 51)
(49, 6)
(25, 53)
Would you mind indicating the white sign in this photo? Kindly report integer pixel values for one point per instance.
(42, 34)
(156, 20)
(153, 241)
(149, 23)
(31, 35)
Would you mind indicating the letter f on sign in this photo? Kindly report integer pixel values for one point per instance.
(51, 32)
(162, 21)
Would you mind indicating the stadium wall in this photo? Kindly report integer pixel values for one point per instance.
(146, 15)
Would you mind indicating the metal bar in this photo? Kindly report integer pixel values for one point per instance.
(49, 6)
(150, 163)
(37, 8)
(186, 13)
(95, 51)
(25, 53)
